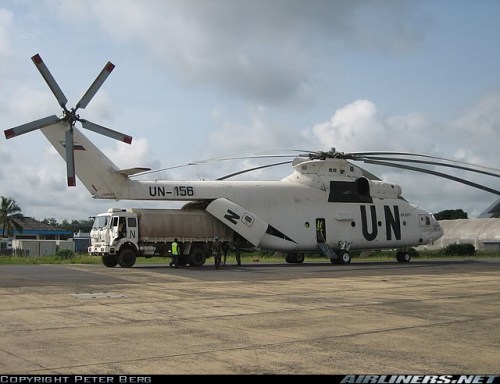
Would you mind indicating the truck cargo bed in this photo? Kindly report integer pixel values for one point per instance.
(186, 225)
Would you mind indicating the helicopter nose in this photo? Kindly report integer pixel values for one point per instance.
(437, 231)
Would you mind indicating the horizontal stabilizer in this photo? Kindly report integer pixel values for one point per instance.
(245, 223)
(132, 171)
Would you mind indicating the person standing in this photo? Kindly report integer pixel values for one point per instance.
(225, 250)
(175, 254)
(237, 253)
(217, 251)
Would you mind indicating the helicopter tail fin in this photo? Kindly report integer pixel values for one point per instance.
(95, 170)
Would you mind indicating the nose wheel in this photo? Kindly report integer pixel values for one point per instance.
(344, 258)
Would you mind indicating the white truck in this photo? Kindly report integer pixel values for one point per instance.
(119, 236)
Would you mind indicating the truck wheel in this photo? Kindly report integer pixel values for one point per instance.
(110, 261)
(126, 258)
(197, 256)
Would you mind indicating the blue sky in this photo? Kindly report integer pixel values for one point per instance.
(198, 79)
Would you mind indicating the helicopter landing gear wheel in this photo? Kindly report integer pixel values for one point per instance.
(345, 258)
(126, 258)
(294, 258)
(403, 257)
(110, 261)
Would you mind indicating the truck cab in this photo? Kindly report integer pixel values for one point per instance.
(111, 233)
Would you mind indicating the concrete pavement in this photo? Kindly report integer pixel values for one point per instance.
(420, 317)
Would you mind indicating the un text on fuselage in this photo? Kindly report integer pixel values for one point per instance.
(177, 191)
(370, 223)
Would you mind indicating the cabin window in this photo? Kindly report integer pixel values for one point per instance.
(132, 222)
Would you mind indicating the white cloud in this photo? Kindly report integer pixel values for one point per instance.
(258, 50)
(478, 132)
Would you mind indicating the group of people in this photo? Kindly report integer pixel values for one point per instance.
(219, 250)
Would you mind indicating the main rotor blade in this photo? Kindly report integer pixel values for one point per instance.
(106, 131)
(435, 173)
(54, 87)
(252, 169)
(376, 153)
(28, 127)
(431, 163)
(226, 158)
(70, 157)
(94, 87)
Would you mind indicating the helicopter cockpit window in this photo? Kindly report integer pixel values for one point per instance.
(425, 220)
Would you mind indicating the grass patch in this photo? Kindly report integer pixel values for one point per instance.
(247, 258)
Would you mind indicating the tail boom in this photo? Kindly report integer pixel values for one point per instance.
(95, 170)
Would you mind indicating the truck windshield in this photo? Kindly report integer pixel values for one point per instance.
(100, 222)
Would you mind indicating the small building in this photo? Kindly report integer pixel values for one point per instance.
(35, 238)
(36, 230)
(82, 241)
(5, 246)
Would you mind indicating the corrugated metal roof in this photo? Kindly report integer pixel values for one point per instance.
(32, 227)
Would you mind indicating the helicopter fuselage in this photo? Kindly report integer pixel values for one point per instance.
(326, 201)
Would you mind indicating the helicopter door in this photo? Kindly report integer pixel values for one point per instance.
(320, 230)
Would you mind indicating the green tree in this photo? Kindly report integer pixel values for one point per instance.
(451, 214)
(50, 221)
(73, 225)
(8, 209)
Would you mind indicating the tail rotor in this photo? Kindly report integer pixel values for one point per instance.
(70, 116)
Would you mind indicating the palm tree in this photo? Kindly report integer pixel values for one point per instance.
(8, 209)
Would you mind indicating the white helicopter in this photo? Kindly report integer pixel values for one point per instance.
(327, 205)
